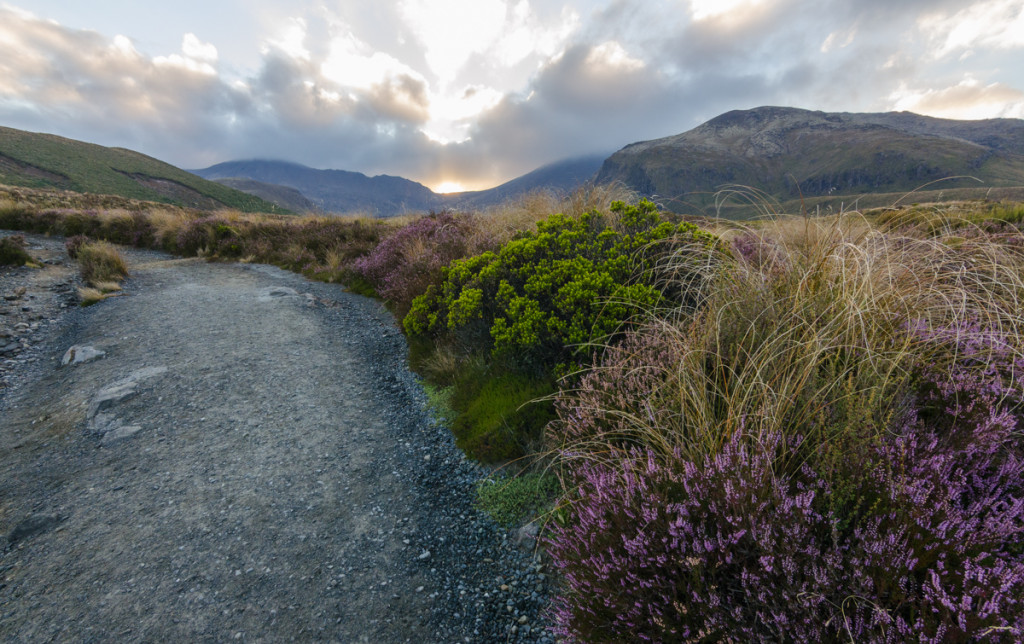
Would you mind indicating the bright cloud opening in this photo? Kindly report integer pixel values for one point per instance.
(351, 63)
(451, 115)
(998, 24)
(292, 41)
(969, 100)
(705, 9)
(195, 49)
(446, 187)
(453, 30)
(612, 54)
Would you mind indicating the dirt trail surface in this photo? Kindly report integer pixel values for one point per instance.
(249, 461)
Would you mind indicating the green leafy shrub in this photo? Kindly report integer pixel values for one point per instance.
(511, 501)
(545, 293)
(12, 251)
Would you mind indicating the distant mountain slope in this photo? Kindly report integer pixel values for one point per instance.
(333, 190)
(788, 152)
(340, 191)
(281, 196)
(561, 176)
(47, 161)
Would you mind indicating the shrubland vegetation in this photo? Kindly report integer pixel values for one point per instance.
(797, 429)
(12, 251)
(101, 265)
(826, 449)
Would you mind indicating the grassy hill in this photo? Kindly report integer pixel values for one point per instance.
(791, 154)
(282, 196)
(36, 160)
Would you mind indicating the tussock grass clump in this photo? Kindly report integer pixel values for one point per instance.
(504, 221)
(12, 251)
(101, 262)
(89, 295)
(826, 448)
(805, 332)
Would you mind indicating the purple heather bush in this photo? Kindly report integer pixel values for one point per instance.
(73, 244)
(410, 259)
(918, 536)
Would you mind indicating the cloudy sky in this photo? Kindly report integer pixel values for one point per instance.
(471, 93)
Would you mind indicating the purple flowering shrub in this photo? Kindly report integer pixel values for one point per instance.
(726, 549)
(757, 251)
(73, 244)
(918, 535)
(410, 259)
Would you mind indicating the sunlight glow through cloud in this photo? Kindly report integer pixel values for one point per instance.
(351, 63)
(292, 40)
(458, 94)
(449, 186)
(452, 30)
(968, 99)
(705, 9)
(995, 23)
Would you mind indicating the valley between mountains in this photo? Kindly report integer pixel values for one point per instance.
(248, 461)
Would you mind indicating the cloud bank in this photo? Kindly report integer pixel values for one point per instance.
(479, 92)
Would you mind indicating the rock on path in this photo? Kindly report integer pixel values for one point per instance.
(247, 462)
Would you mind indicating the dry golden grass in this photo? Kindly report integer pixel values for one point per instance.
(89, 295)
(108, 287)
(100, 262)
(167, 222)
(808, 336)
(503, 221)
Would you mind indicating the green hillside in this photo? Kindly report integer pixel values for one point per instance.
(47, 161)
(796, 156)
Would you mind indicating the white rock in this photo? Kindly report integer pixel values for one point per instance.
(80, 354)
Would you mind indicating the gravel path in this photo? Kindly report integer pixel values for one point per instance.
(249, 461)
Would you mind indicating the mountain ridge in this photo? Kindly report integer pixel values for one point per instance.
(330, 190)
(792, 153)
(345, 191)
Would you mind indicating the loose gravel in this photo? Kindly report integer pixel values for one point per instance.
(265, 471)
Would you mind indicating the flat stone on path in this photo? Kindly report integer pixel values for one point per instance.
(79, 354)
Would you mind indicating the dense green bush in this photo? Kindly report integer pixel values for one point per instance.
(522, 314)
(539, 298)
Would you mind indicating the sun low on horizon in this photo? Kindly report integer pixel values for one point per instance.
(468, 94)
(448, 187)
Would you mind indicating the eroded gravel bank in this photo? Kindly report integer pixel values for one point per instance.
(277, 480)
